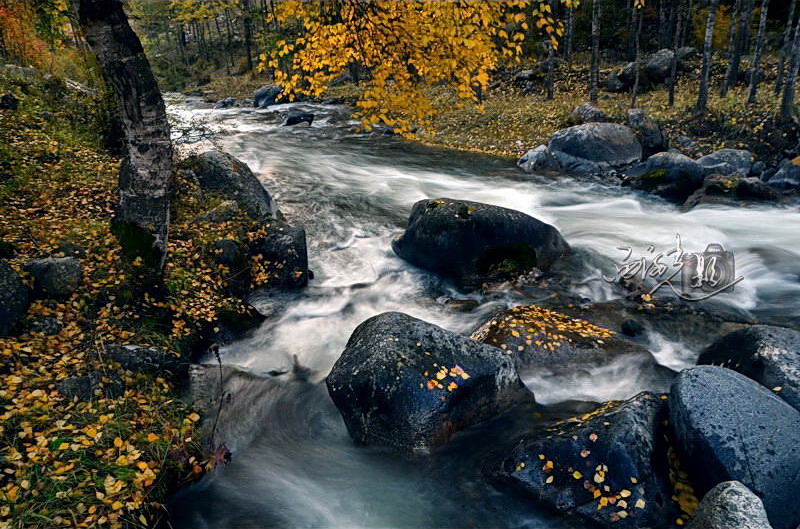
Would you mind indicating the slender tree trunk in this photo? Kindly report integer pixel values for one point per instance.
(787, 41)
(248, 33)
(631, 29)
(688, 23)
(740, 46)
(662, 23)
(789, 89)
(549, 81)
(755, 70)
(142, 217)
(702, 96)
(594, 74)
(673, 76)
(638, 60)
(732, 30)
(570, 29)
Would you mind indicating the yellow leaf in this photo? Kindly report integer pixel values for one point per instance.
(549, 479)
(117, 442)
(624, 493)
(577, 475)
(639, 504)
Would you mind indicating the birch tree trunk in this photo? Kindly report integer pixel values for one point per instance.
(594, 74)
(142, 217)
(787, 103)
(785, 51)
(702, 96)
(755, 70)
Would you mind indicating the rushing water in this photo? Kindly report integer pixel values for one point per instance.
(294, 464)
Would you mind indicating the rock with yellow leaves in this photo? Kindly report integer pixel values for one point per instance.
(609, 466)
(409, 384)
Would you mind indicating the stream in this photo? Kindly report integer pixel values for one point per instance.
(294, 464)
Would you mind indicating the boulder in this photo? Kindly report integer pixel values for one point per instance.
(266, 96)
(728, 162)
(473, 242)
(409, 384)
(55, 277)
(608, 466)
(769, 355)
(730, 505)
(221, 173)
(667, 174)
(614, 84)
(538, 160)
(149, 360)
(659, 65)
(595, 147)
(648, 132)
(787, 177)
(8, 102)
(13, 298)
(728, 427)
(231, 254)
(47, 325)
(87, 387)
(587, 113)
(283, 256)
(225, 103)
(754, 188)
(297, 117)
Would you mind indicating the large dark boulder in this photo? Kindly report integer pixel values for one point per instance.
(648, 132)
(544, 340)
(150, 360)
(769, 355)
(728, 427)
(667, 174)
(266, 96)
(296, 117)
(221, 173)
(282, 255)
(55, 277)
(787, 177)
(409, 384)
(474, 242)
(728, 162)
(730, 505)
(595, 147)
(538, 160)
(608, 466)
(13, 298)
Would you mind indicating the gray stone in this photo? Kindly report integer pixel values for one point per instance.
(595, 147)
(266, 96)
(284, 251)
(587, 113)
(46, 325)
(409, 384)
(787, 177)
(730, 505)
(14, 298)
(55, 277)
(296, 117)
(769, 355)
(224, 212)
(150, 360)
(728, 162)
(668, 174)
(648, 132)
(538, 160)
(728, 427)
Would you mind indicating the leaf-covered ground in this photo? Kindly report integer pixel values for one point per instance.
(109, 461)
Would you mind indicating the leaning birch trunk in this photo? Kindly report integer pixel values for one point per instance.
(702, 96)
(142, 217)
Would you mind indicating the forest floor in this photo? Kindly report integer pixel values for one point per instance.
(512, 122)
(112, 458)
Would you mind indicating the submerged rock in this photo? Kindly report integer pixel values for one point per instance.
(728, 427)
(296, 117)
(55, 277)
(14, 298)
(409, 384)
(730, 505)
(473, 242)
(221, 173)
(608, 466)
(769, 355)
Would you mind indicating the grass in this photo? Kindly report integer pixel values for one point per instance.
(109, 461)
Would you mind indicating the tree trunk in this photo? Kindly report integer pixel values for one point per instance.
(787, 41)
(638, 60)
(142, 217)
(702, 96)
(631, 29)
(787, 104)
(740, 46)
(673, 76)
(549, 80)
(248, 33)
(755, 70)
(594, 74)
(662, 23)
(570, 29)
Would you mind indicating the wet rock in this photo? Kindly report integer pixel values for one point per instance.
(409, 384)
(543, 339)
(221, 173)
(232, 255)
(787, 177)
(266, 96)
(13, 298)
(283, 254)
(587, 113)
(758, 168)
(150, 360)
(631, 328)
(730, 504)
(728, 427)
(728, 162)
(225, 103)
(8, 102)
(648, 132)
(460, 305)
(226, 211)
(608, 466)
(473, 242)
(595, 147)
(756, 189)
(667, 174)
(769, 355)
(538, 160)
(296, 117)
(55, 277)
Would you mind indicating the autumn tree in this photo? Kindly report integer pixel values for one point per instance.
(403, 45)
(142, 217)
